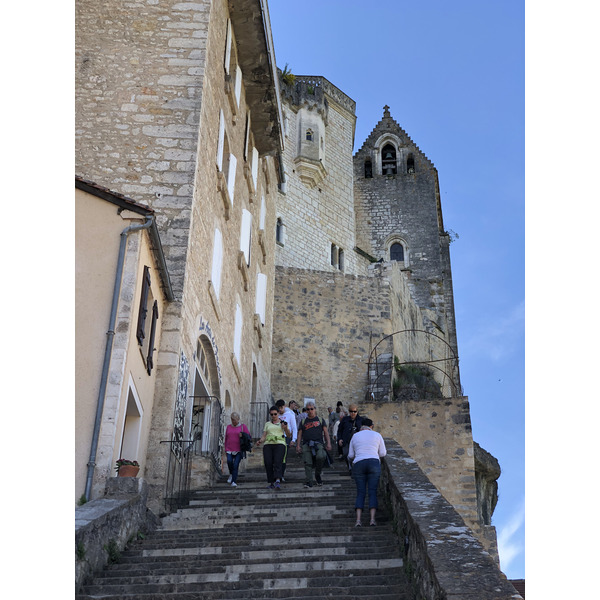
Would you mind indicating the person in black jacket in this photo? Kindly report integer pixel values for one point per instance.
(348, 426)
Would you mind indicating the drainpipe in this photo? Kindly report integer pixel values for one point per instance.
(110, 334)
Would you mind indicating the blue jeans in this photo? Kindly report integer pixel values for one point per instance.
(366, 475)
(233, 463)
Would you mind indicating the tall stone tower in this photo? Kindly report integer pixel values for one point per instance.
(399, 219)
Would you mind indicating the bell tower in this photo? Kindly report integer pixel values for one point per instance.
(399, 217)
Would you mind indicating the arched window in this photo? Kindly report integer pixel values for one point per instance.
(309, 135)
(397, 252)
(388, 160)
(410, 164)
(368, 169)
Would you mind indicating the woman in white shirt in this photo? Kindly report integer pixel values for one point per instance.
(366, 449)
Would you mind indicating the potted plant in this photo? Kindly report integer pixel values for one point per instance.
(127, 468)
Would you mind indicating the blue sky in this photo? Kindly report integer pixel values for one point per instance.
(453, 74)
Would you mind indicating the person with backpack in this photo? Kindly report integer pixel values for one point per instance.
(232, 450)
(313, 439)
(349, 425)
(274, 447)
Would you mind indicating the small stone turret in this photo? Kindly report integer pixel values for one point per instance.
(307, 94)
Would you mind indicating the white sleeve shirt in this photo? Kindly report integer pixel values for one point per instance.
(366, 444)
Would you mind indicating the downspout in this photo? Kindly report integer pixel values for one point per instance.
(110, 334)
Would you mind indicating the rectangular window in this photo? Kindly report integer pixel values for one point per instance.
(146, 327)
(221, 142)
(217, 262)
(237, 335)
(246, 234)
(228, 44)
(255, 161)
(238, 84)
(261, 296)
(231, 176)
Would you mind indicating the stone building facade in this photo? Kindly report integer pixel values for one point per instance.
(297, 269)
(178, 108)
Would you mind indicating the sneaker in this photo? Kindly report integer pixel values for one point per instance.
(318, 480)
(308, 485)
(229, 480)
(233, 484)
(277, 485)
(271, 486)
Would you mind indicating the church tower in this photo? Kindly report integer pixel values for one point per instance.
(399, 219)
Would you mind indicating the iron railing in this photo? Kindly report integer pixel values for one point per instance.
(381, 367)
(177, 485)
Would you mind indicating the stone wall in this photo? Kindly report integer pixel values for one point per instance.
(442, 557)
(318, 215)
(323, 330)
(106, 524)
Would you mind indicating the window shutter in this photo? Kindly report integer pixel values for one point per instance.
(149, 361)
(141, 324)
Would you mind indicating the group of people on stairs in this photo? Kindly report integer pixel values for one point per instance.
(359, 446)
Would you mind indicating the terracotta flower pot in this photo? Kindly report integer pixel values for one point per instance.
(128, 471)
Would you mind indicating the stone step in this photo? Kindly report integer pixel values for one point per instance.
(386, 591)
(292, 576)
(251, 542)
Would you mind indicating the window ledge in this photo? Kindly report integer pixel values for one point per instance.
(262, 245)
(250, 182)
(222, 188)
(243, 267)
(230, 92)
(258, 327)
(236, 367)
(213, 298)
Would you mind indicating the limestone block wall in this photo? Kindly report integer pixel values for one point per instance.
(139, 82)
(224, 314)
(151, 86)
(317, 217)
(323, 327)
(437, 435)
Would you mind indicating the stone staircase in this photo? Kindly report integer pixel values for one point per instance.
(254, 542)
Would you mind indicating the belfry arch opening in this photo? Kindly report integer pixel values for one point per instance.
(388, 160)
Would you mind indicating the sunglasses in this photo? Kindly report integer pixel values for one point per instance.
(311, 408)
(274, 414)
(353, 411)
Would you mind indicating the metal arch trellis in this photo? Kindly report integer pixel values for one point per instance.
(389, 365)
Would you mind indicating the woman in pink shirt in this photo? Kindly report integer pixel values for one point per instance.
(231, 447)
